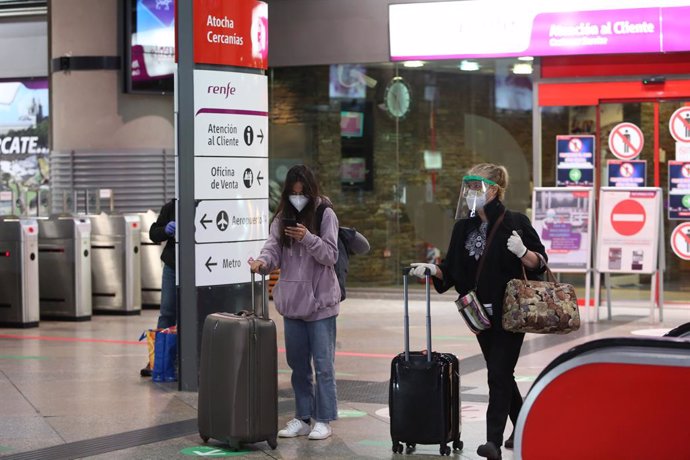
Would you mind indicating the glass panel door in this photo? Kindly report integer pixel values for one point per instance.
(676, 286)
(626, 142)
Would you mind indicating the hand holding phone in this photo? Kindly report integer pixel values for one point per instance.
(289, 222)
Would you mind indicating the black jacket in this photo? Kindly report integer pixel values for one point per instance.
(501, 265)
(158, 235)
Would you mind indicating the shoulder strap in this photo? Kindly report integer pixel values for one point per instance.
(318, 217)
(486, 247)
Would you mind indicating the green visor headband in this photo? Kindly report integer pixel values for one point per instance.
(479, 178)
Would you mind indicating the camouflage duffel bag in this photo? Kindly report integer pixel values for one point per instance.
(542, 307)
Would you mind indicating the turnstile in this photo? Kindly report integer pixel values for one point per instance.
(64, 253)
(151, 265)
(116, 263)
(18, 272)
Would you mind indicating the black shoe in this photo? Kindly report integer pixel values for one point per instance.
(509, 442)
(490, 451)
(146, 372)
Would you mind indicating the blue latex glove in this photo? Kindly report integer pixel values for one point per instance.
(170, 228)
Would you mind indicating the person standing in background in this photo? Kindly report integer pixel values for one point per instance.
(163, 230)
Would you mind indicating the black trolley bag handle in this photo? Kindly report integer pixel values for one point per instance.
(263, 313)
(427, 277)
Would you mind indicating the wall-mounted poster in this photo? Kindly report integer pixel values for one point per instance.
(632, 173)
(23, 139)
(575, 164)
(679, 190)
(629, 226)
(563, 219)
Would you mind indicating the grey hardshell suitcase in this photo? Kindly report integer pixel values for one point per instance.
(238, 378)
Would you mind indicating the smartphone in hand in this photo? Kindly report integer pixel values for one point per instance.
(289, 222)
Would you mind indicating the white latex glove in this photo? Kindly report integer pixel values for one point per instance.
(516, 246)
(418, 269)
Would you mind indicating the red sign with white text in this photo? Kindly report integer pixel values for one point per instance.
(231, 32)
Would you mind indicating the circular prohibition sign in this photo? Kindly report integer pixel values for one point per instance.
(626, 141)
(679, 125)
(680, 240)
(628, 217)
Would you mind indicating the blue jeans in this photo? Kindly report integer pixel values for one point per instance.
(307, 341)
(168, 312)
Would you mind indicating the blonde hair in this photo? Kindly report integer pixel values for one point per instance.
(496, 173)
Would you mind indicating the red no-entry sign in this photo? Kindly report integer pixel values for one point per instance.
(628, 217)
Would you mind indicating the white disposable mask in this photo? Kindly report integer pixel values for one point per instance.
(475, 201)
(299, 201)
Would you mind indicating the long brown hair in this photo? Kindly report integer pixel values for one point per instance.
(304, 175)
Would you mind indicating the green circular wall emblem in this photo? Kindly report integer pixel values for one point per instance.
(211, 452)
(686, 201)
(575, 175)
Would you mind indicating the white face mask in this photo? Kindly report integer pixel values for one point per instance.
(475, 201)
(298, 201)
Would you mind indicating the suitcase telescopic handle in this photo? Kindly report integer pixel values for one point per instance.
(264, 297)
(427, 278)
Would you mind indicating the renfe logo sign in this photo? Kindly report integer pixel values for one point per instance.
(231, 33)
(451, 30)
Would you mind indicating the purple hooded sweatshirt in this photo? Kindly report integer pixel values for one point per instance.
(308, 287)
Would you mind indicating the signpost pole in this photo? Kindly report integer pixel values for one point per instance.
(607, 282)
(588, 281)
(597, 293)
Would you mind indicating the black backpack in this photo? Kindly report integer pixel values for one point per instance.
(345, 237)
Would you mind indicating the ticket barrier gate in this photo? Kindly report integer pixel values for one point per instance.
(18, 272)
(64, 252)
(151, 264)
(116, 264)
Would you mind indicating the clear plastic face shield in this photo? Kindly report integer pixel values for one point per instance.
(473, 195)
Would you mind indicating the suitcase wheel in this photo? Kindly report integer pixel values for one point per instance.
(458, 445)
(272, 443)
(204, 438)
(397, 447)
(445, 449)
(411, 447)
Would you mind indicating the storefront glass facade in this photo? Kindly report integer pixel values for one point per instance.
(397, 178)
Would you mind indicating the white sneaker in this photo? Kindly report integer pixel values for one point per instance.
(294, 428)
(320, 431)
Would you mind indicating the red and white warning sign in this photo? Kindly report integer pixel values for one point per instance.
(628, 217)
(679, 124)
(575, 145)
(626, 141)
(680, 240)
(627, 170)
(628, 237)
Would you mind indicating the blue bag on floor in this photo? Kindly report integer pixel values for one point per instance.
(165, 356)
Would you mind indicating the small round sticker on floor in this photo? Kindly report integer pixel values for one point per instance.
(351, 413)
(212, 452)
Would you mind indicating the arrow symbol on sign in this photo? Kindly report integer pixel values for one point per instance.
(259, 177)
(205, 221)
(210, 453)
(261, 136)
(210, 264)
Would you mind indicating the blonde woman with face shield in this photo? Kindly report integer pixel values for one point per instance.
(515, 243)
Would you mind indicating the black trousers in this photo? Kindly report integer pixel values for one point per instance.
(501, 350)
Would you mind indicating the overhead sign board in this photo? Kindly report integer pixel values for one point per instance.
(462, 29)
(231, 33)
(632, 173)
(679, 190)
(562, 217)
(626, 141)
(629, 226)
(575, 166)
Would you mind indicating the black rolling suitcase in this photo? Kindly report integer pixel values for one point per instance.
(238, 377)
(424, 392)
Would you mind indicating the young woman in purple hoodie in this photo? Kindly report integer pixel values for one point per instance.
(307, 295)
